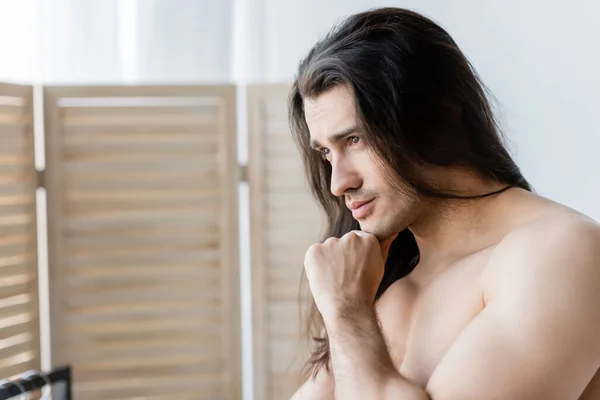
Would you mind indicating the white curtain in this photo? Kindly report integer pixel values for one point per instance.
(116, 41)
(18, 40)
(184, 40)
(80, 41)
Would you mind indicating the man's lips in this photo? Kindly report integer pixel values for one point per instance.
(353, 205)
(361, 209)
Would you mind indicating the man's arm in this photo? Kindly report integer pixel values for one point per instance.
(361, 361)
(537, 338)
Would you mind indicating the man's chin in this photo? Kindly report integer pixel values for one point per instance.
(381, 234)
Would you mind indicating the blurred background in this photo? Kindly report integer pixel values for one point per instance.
(153, 211)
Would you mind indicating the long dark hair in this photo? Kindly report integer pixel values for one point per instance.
(419, 102)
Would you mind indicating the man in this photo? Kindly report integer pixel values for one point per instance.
(443, 276)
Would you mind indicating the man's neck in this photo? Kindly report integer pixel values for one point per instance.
(451, 230)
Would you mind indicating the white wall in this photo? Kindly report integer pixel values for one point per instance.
(541, 59)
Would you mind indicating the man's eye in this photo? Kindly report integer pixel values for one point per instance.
(354, 139)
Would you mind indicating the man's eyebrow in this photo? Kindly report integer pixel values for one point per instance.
(335, 138)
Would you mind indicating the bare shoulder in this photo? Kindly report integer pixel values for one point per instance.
(563, 233)
(558, 252)
(539, 326)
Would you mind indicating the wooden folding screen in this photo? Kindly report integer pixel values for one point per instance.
(285, 221)
(143, 240)
(19, 309)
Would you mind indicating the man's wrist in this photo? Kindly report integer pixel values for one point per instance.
(347, 313)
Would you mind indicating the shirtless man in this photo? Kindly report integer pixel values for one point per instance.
(444, 276)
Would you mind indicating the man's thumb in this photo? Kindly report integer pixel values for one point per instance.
(385, 246)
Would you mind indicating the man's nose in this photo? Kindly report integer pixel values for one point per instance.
(343, 177)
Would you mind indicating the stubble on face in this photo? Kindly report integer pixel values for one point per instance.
(396, 207)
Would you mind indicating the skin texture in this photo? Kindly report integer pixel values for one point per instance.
(502, 305)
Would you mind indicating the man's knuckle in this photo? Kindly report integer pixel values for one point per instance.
(352, 235)
(329, 240)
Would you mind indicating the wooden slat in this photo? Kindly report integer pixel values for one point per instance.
(143, 245)
(285, 221)
(19, 309)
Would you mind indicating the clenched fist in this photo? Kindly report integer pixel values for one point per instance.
(346, 271)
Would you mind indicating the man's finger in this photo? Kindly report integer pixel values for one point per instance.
(361, 233)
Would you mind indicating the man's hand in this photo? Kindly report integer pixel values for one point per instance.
(344, 275)
(345, 272)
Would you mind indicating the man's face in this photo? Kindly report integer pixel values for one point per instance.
(357, 173)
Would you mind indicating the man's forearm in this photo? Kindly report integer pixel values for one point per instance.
(362, 366)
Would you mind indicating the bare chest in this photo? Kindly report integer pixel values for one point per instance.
(428, 321)
(420, 324)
